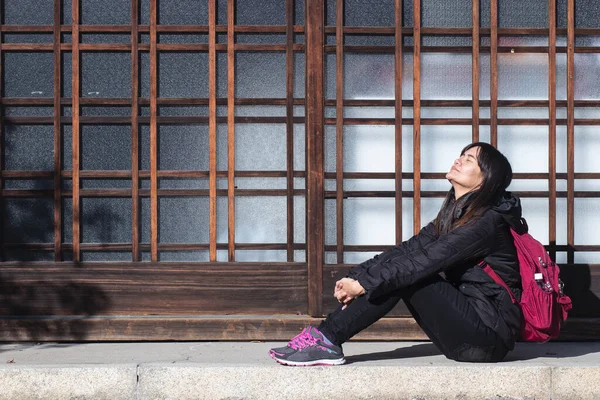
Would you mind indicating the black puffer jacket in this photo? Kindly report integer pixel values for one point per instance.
(457, 255)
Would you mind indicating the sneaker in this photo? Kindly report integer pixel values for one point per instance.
(308, 348)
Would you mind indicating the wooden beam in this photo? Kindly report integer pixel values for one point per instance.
(475, 71)
(76, 130)
(212, 127)
(289, 125)
(552, 124)
(398, 76)
(135, 95)
(230, 130)
(494, 73)
(339, 129)
(417, 116)
(570, 130)
(153, 133)
(315, 236)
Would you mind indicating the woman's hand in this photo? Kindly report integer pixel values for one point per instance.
(346, 290)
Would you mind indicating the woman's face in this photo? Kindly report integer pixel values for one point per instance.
(465, 174)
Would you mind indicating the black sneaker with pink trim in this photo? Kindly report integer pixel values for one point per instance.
(308, 348)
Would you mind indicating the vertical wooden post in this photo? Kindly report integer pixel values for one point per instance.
(76, 133)
(552, 126)
(57, 135)
(494, 73)
(417, 116)
(398, 76)
(135, 199)
(570, 131)
(314, 15)
(153, 134)
(212, 127)
(475, 71)
(339, 129)
(231, 130)
(289, 124)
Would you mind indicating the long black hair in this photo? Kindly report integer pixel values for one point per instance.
(497, 175)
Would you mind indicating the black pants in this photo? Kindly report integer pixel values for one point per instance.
(440, 309)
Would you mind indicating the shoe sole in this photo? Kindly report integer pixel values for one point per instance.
(324, 362)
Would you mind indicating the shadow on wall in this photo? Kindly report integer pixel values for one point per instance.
(39, 299)
(582, 285)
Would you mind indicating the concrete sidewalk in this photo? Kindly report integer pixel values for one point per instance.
(236, 370)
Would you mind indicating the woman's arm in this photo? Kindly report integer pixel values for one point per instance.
(424, 237)
(472, 241)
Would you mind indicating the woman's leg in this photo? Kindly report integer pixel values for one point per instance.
(442, 311)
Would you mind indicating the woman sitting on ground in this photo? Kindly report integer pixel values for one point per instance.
(464, 313)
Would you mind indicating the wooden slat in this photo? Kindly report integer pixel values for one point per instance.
(231, 130)
(416, 116)
(190, 328)
(75, 130)
(314, 154)
(135, 199)
(475, 71)
(398, 76)
(494, 72)
(212, 127)
(289, 111)
(231, 328)
(57, 214)
(339, 129)
(153, 134)
(570, 129)
(552, 124)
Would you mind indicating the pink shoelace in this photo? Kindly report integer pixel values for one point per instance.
(303, 340)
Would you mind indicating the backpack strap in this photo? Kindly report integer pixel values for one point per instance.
(488, 270)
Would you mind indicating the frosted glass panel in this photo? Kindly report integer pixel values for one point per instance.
(587, 70)
(106, 147)
(525, 113)
(182, 12)
(265, 12)
(369, 221)
(369, 112)
(261, 219)
(198, 256)
(300, 220)
(368, 76)
(561, 148)
(358, 257)
(182, 74)
(446, 76)
(522, 76)
(561, 221)
(369, 184)
(436, 13)
(513, 140)
(441, 145)
(260, 75)
(429, 209)
(105, 220)
(587, 220)
(528, 185)
(407, 218)
(330, 222)
(260, 147)
(330, 148)
(28, 147)
(587, 146)
(27, 220)
(561, 76)
(183, 219)
(523, 14)
(222, 220)
(437, 185)
(260, 255)
(446, 112)
(369, 148)
(368, 13)
(27, 74)
(96, 12)
(535, 211)
(27, 12)
(181, 147)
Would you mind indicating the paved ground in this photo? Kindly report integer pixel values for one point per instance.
(242, 370)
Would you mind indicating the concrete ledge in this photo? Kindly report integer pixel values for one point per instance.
(111, 382)
(233, 370)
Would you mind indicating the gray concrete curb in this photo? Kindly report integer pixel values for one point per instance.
(209, 370)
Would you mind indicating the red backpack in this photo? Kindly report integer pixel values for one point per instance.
(543, 302)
